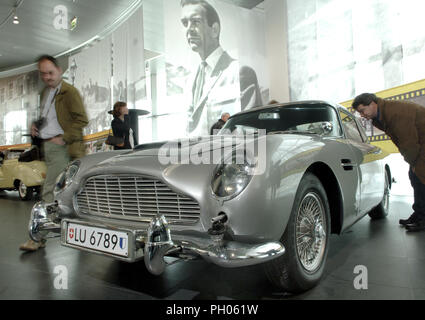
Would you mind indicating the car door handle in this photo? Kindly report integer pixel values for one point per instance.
(375, 151)
(347, 165)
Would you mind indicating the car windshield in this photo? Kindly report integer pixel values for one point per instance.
(14, 154)
(300, 118)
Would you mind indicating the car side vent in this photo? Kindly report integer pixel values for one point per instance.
(347, 165)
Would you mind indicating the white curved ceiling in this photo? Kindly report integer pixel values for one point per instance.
(35, 34)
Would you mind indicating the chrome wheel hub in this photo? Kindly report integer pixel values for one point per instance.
(22, 189)
(386, 194)
(311, 232)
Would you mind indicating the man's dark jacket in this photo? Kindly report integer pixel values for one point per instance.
(71, 116)
(217, 126)
(404, 123)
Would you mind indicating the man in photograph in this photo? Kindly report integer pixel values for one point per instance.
(216, 85)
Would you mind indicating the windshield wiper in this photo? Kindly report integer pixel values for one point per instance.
(292, 131)
(224, 133)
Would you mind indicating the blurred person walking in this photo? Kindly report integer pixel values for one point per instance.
(60, 128)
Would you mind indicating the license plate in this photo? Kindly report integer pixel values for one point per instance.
(99, 239)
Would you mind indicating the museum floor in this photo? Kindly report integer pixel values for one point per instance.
(394, 260)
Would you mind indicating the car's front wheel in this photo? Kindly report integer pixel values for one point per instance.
(306, 240)
(25, 192)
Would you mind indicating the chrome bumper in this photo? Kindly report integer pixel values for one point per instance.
(42, 221)
(156, 242)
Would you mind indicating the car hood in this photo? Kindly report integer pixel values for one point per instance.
(183, 177)
(207, 145)
(184, 146)
(199, 154)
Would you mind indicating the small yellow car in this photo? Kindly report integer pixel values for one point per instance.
(22, 170)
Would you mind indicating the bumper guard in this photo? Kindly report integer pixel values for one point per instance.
(156, 242)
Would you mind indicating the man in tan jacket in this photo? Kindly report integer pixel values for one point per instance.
(61, 129)
(404, 123)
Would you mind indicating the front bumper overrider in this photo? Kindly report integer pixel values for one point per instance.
(157, 241)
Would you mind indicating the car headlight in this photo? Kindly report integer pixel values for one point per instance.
(231, 178)
(65, 178)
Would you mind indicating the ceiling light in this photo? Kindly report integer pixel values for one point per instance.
(15, 17)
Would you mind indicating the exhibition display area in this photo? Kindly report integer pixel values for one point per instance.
(229, 150)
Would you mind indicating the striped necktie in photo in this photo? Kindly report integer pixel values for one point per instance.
(200, 80)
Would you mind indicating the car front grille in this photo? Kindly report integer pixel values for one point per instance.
(135, 198)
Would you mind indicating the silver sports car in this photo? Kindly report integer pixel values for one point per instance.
(269, 188)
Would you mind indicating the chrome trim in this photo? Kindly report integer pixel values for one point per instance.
(134, 198)
(387, 190)
(327, 127)
(22, 189)
(41, 222)
(234, 195)
(76, 163)
(157, 241)
(157, 245)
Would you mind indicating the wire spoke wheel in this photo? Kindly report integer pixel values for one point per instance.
(310, 232)
(306, 239)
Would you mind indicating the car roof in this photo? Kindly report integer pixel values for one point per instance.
(282, 105)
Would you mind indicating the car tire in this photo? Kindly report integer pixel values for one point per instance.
(25, 193)
(291, 271)
(382, 209)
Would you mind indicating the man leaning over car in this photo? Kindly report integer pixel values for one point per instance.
(60, 128)
(404, 123)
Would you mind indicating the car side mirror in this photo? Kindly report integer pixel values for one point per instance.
(327, 127)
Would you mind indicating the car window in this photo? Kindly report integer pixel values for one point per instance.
(350, 126)
(362, 130)
(13, 154)
(297, 117)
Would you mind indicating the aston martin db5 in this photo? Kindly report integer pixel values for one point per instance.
(268, 189)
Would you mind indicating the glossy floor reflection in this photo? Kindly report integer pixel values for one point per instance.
(394, 260)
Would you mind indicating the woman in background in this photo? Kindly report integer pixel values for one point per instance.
(121, 126)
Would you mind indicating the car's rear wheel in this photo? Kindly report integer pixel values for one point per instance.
(382, 209)
(306, 240)
(25, 192)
